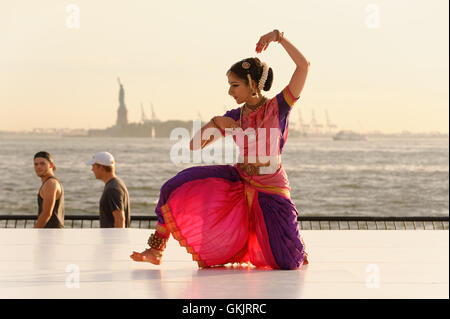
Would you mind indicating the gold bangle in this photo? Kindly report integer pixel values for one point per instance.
(217, 126)
(279, 35)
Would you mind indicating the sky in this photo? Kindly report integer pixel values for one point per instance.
(375, 65)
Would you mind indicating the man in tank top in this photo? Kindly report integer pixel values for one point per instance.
(51, 194)
(115, 202)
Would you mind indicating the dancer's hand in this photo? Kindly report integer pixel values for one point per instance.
(264, 41)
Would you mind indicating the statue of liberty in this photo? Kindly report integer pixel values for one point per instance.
(122, 119)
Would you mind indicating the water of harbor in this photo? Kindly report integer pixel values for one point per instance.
(376, 177)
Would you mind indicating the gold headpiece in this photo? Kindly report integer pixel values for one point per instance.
(245, 65)
(250, 83)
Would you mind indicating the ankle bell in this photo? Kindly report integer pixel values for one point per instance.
(156, 241)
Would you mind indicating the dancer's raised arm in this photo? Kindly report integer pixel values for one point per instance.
(299, 77)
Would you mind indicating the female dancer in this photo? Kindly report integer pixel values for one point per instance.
(243, 213)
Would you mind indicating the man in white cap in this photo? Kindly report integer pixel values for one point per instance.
(115, 202)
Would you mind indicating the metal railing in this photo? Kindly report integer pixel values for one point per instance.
(305, 222)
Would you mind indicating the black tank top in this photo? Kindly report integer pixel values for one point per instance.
(57, 218)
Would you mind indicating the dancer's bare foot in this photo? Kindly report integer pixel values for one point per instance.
(305, 254)
(150, 255)
(305, 259)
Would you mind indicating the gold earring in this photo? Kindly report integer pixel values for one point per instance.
(250, 84)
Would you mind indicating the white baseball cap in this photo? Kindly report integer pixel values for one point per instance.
(102, 158)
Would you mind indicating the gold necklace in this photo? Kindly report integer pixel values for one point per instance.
(255, 107)
(264, 100)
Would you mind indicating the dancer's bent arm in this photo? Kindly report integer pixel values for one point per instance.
(299, 77)
(218, 124)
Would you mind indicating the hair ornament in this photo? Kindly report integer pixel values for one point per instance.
(263, 79)
(245, 65)
(250, 83)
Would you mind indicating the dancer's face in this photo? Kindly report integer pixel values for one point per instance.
(239, 90)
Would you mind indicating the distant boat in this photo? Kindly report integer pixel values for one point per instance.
(348, 136)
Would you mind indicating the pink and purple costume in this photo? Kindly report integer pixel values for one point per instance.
(221, 215)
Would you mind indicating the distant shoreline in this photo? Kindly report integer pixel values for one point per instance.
(292, 134)
(162, 138)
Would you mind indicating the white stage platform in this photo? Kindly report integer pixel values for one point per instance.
(343, 264)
